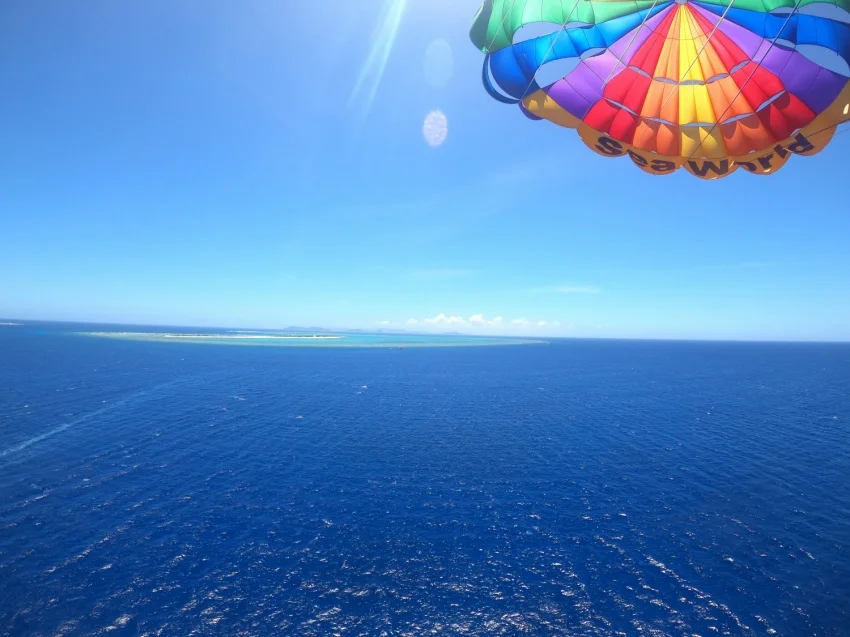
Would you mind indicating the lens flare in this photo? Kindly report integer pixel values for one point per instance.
(435, 129)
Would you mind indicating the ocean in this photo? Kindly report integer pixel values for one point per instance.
(575, 487)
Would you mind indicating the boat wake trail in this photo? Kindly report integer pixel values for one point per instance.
(86, 417)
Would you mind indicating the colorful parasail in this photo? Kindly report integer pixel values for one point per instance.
(708, 85)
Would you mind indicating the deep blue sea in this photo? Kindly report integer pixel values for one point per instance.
(571, 488)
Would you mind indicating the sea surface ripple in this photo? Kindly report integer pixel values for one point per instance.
(579, 488)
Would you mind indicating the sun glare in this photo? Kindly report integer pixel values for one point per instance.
(372, 71)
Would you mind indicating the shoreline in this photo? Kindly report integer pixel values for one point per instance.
(328, 340)
(160, 335)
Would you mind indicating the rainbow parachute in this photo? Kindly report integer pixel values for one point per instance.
(711, 85)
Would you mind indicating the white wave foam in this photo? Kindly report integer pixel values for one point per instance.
(63, 427)
(45, 435)
(700, 594)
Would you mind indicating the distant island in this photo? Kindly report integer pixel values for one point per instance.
(291, 332)
(248, 336)
(236, 336)
(313, 338)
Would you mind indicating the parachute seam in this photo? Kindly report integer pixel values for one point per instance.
(505, 15)
(747, 81)
(629, 45)
(551, 47)
(838, 131)
(694, 61)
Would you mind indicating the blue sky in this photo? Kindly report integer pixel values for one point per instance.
(263, 164)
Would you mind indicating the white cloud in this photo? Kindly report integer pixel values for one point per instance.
(442, 319)
(476, 320)
(385, 323)
(480, 321)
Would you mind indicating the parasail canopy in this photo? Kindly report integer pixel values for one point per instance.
(708, 85)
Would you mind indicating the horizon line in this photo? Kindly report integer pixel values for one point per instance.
(21, 322)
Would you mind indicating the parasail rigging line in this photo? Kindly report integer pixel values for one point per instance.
(747, 81)
(505, 15)
(561, 30)
(549, 50)
(629, 45)
(846, 129)
(697, 48)
(694, 61)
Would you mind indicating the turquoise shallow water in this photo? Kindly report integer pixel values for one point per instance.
(295, 339)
